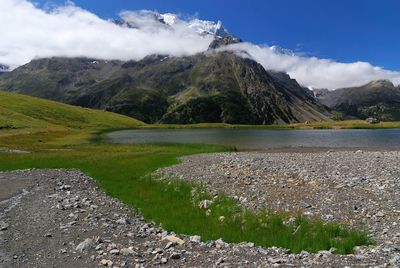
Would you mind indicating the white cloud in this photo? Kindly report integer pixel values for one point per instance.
(28, 32)
(314, 72)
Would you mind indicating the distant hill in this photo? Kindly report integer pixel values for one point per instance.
(19, 111)
(207, 87)
(380, 99)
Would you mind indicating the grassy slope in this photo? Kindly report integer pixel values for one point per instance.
(122, 171)
(19, 111)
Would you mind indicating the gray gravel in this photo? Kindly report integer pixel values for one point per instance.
(61, 219)
(356, 188)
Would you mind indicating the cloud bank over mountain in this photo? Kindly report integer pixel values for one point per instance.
(28, 32)
(314, 72)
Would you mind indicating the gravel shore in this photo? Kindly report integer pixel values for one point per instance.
(357, 188)
(58, 218)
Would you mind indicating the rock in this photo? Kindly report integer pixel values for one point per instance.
(277, 260)
(127, 251)
(173, 239)
(169, 245)
(111, 246)
(64, 187)
(205, 204)
(395, 260)
(219, 261)
(164, 260)
(3, 226)
(86, 245)
(380, 214)
(114, 252)
(220, 243)
(175, 256)
(122, 221)
(195, 239)
(221, 218)
(324, 253)
(48, 235)
(106, 262)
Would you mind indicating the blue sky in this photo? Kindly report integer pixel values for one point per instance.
(338, 43)
(345, 31)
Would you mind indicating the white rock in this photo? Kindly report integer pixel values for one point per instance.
(195, 239)
(105, 262)
(87, 244)
(205, 204)
(173, 239)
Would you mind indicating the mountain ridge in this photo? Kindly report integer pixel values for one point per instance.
(167, 89)
(378, 98)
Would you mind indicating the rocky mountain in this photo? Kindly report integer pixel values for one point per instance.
(207, 87)
(3, 68)
(380, 99)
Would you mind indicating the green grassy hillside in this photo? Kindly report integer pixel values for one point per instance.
(19, 111)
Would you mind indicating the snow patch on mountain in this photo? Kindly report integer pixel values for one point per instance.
(144, 18)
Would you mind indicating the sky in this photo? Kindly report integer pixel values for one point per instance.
(337, 43)
(343, 30)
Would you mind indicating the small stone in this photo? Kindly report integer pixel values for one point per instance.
(220, 243)
(395, 260)
(105, 262)
(122, 221)
(205, 204)
(175, 256)
(173, 239)
(114, 252)
(48, 235)
(277, 260)
(3, 226)
(195, 239)
(164, 260)
(87, 244)
(64, 187)
(127, 251)
(380, 214)
(324, 253)
(219, 261)
(221, 218)
(169, 245)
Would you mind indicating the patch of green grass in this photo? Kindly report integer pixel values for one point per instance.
(123, 172)
(19, 111)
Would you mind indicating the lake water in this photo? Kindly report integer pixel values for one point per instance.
(262, 139)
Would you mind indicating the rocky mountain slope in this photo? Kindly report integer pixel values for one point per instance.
(380, 99)
(212, 86)
(207, 87)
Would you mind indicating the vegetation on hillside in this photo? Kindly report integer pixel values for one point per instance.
(19, 111)
(206, 87)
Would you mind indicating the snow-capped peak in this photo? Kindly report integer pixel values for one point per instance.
(208, 27)
(169, 18)
(147, 18)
